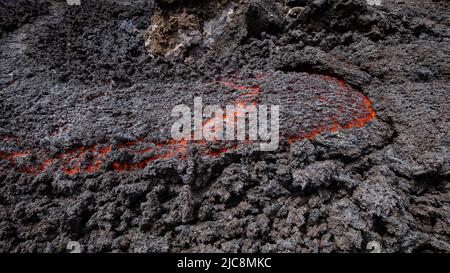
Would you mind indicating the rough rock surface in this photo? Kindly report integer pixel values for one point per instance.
(83, 103)
(192, 27)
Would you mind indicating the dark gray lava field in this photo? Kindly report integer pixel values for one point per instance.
(86, 154)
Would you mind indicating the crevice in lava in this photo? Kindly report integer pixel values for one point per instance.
(142, 152)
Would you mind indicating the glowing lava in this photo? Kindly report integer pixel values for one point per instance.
(313, 104)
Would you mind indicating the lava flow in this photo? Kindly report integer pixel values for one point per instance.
(310, 105)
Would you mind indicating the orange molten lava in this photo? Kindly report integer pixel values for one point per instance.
(95, 158)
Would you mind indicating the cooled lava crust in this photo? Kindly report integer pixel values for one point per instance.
(86, 153)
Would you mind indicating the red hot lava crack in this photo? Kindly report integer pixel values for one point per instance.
(351, 110)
